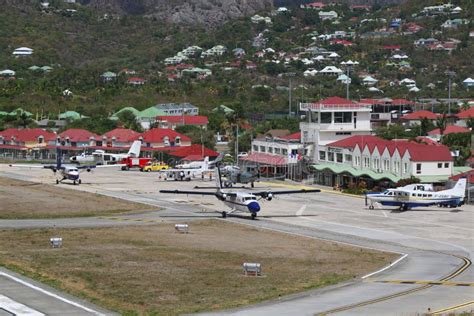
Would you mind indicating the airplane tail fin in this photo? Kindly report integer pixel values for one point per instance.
(205, 165)
(219, 180)
(134, 151)
(459, 188)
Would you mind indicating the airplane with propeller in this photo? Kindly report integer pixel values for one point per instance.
(187, 174)
(417, 195)
(101, 157)
(239, 200)
(62, 171)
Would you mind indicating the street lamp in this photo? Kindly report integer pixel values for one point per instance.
(289, 75)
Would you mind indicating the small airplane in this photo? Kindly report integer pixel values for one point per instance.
(239, 201)
(187, 174)
(63, 171)
(195, 164)
(235, 175)
(416, 195)
(100, 156)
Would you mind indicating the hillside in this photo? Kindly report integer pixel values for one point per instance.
(82, 43)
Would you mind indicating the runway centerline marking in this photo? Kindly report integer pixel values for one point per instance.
(446, 283)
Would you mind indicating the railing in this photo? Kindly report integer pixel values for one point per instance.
(319, 106)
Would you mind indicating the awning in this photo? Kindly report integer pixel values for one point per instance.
(341, 168)
(266, 159)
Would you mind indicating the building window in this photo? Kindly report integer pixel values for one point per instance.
(284, 152)
(255, 148)
(386, 164)
(343, 133)
(315, 117)
(305, 136)
(405, 167)
(262, 149)
(348, 158)
(322, 155)
(366, 162)
(339, 157)
(440, 165)
(277, 151)
(418, 168)
(330, 156)
(326, 117)
(270, 150)
(446, 164)
(342, 117)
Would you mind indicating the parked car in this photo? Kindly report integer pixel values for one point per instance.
(155, 166)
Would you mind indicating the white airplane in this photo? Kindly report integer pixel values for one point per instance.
(239, 201)
(195, 164)
(186, 174)
(416, 195)
(63, 171)
(100, 156)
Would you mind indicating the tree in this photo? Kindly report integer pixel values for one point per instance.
(198, 135)
(128, 120)
(441, 122)
(23, 120)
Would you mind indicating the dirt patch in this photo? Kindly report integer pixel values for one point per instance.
(153, 270)
(22, 199)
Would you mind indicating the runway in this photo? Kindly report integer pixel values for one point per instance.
(438, 243)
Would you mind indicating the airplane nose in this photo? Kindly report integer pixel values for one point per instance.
(254, 207)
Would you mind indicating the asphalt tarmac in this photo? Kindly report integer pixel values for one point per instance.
(436, 245)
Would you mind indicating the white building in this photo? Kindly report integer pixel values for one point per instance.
(331, 70)
(328, 15)
(333, 119)
(22, 51)
(373, 159)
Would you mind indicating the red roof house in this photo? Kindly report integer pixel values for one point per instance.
(342, 42)
(295, 136)
(120, 137)
(136, 81)
(176, 120)
(469, 176)
(450, 129)
(194, 151)
(28, 137)
(164, 137)
(469, 113)
(76, 137)
(314, 5)
(419, 115)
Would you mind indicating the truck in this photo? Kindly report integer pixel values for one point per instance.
(154, 166)
(129, 163)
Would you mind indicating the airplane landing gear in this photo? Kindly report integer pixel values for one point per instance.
(74, 182)
(254, 216)
(403, 207)
(80, 181)
(371, 207)
(57, 181)
(224, 214)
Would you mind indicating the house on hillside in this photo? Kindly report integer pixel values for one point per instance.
(328, 15)
(464, 116)
(120, 137)
(177, 109)
(136, 81)
(75, 137)
(163, 137)
(468, 82)
(7, 73)
(22, 51)
(108, 76)
(173, 121)
(415, 118)
(450, 129)
(313, 5)
(331, 70)
(454, 23)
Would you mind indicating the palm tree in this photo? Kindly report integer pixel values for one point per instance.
(441, 123)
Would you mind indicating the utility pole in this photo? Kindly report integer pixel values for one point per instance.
(289, 74)
(237, 144)
(450, 74)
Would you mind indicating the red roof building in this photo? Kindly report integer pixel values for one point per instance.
(28, 137)
(120, 137)
(314, 5)
(136, 81)
(450, 129)
(266, 159)
(75, 137)
(419, 115)
(295, 136)
(178, 120)
(466, 114)
(469, 176)
(194, 151)
(392, 47)
(418, 152)
(163, 137)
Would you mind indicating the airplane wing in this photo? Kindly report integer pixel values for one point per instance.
(188, 192)
(33, 166)
(267, 193)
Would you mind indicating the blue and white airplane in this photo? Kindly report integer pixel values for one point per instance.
(239, 201)
(416, 195)
(63, 171)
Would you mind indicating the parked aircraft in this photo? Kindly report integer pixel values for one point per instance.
(62, 171)
(235, 175)
(239, 201)
(416, 195)
(100, 156)
(186, 174)
(194, 164)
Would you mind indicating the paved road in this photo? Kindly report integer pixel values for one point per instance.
(438, 243)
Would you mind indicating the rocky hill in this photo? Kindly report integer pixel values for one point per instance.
(203, 12)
